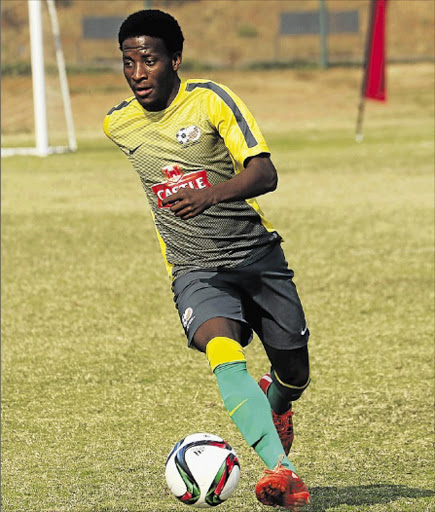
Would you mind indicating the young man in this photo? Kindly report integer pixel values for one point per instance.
(202, 159)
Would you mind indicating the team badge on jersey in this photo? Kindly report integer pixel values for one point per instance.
(176, 180)
(189, 134)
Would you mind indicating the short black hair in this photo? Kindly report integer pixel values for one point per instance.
(154, 23)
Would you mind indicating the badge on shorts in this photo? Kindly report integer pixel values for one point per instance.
(187, 318)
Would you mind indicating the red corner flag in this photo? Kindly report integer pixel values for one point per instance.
(373, 86)
(374, 79)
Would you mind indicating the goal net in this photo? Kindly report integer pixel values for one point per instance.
(36, 109)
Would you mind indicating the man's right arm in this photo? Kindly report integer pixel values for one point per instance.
(258, 177)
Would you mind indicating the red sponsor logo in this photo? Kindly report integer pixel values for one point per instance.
(176, 180)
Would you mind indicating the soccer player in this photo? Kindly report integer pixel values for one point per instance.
(202, 159)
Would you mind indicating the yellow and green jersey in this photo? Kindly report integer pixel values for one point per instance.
(203, 138)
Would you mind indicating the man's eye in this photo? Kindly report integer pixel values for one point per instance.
(127, 63)
(150, 62)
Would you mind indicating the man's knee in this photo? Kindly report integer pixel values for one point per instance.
(217, 327)
(291, 392)
(290, 371)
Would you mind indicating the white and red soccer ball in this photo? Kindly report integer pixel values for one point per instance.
(202, 470)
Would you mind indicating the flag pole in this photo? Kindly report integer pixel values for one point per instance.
(373, 84)
(359, 136)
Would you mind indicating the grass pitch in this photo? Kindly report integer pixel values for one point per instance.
(97, 382)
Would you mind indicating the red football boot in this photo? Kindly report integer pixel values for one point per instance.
(283, 422)
(282, 487)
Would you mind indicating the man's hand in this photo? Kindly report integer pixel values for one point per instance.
(258, 177)
(188, 203)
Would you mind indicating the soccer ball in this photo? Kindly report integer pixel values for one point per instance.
(202, 470)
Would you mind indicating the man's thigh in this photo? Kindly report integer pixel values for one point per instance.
(272, 306)
(202, 298)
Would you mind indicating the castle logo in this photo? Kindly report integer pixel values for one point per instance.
(176, 180)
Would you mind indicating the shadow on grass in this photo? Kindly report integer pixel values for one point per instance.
(326, 497)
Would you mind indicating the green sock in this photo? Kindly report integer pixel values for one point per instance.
(250, 410)
(278, 402)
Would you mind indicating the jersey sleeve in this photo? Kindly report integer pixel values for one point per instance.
(106, 126)
(235, 124)
(116, 122)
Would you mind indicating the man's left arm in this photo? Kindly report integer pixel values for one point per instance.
(258, 177)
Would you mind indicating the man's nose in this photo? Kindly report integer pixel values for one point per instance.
(139, 72)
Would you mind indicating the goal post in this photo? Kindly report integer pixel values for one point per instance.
(72, 145)
(38, 77)
(42, 147)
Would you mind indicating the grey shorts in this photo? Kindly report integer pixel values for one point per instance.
(262, 296)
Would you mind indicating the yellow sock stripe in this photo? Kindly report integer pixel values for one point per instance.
(289, 385)
(222, 350)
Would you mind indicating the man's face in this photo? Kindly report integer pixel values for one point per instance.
(150, 71)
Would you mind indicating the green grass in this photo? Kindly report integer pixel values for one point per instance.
(98, 384)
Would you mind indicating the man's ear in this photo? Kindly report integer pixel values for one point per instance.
(176, 61)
